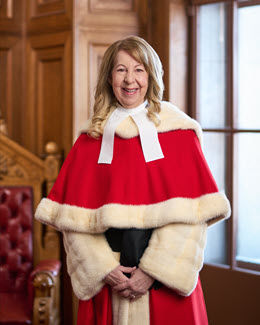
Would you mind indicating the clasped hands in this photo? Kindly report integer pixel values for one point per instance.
(133, 287)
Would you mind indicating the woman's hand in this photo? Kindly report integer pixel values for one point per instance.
(136, 286)
(117, 277)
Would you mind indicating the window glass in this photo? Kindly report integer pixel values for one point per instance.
(211, 111)
(214, 148)
(248, 67)
(215, 153)
(213, 70)
(247, 190)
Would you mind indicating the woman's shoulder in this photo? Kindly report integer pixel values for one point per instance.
(173, 118)
(84, 145)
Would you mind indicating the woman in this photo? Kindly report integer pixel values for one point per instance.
(134, 199)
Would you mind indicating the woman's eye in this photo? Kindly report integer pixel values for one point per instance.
(120, 70)
(139, 70)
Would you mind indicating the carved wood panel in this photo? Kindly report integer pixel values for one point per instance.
(6, 9)
(11, 14)
(47, 7)
(108, 5)
(49, 92)
(40, 2)
(11, 85)
(51, 16)
(5, 85)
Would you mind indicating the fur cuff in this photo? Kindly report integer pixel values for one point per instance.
(89, 260)
(175, 256)
(208, 208)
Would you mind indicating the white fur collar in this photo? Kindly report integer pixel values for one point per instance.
(172, 118)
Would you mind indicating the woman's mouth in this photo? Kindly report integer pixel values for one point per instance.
(130, 91)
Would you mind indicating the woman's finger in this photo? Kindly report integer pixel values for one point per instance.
(125, 293)
(121, 286)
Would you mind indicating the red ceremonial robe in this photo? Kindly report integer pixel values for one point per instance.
(176, 195)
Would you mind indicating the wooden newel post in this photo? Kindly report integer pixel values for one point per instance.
(52, 166)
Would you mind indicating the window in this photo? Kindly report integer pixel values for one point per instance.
(226, 102)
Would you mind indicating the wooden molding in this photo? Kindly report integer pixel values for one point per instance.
(168, 34)
(10, 54)
(6, 85)
(51, 16)
(6, 9)
(159, 36)
(47, 7)
(11, 16)
(178, 54)
(20, 167)
(97, 14)
(111, 5)
(43, 2)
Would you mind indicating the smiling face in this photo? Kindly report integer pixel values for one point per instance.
(129, 80)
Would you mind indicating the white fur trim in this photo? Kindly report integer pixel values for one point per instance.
(207, 208)
(172, 118)
(175, 256)
(89, 260)
(126, 312)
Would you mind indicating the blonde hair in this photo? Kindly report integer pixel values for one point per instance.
(105, 99)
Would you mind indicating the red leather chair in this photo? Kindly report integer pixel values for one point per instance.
(27, 294)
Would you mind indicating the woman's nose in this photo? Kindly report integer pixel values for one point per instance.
(129, 77)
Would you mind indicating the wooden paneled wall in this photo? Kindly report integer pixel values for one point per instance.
(36, 72)
(49, 91)
(48, 74)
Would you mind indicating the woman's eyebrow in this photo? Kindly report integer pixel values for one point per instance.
(137, 65)
(120, 64)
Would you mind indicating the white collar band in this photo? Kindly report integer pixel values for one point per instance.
(132, 111)
(147, 131)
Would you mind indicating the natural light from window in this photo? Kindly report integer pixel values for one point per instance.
(212, 109)
(247, 145)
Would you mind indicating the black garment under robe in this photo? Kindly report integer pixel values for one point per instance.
(131, 243)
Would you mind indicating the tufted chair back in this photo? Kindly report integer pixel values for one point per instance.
(16, 259)
(29, 252)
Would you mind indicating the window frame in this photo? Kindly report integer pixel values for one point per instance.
(231, 109)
